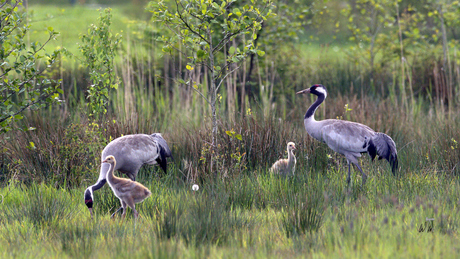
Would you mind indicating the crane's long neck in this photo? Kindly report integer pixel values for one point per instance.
(312, 126)
(97, 185)
(110, 176)
(310, 114)
(291, 157)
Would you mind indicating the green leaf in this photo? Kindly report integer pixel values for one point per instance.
(236, 11)
(260, 53)
(231, 50)
(31, 145)
(200, 54)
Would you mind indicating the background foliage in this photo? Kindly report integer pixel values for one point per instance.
(25, 84)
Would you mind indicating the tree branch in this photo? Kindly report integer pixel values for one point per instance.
(196, 90)
(188, 26)
(222, 80)
(25, 107)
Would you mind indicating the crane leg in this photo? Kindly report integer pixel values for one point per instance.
(352, 159)
(362, 173)
(349, 173)
(116, 212)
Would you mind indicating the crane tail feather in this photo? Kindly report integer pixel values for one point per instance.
(162, 163)
(163, 151)
(384, 146)
(394, 164)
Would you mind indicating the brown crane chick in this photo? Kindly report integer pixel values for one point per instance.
(128, 191)
(285, 167)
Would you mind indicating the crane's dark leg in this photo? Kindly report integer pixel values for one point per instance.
(131, 176)
(124, 209)
(121, 208)
(362, 173)
(354, 160)
(349, 173)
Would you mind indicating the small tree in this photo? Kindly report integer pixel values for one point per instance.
(368, 20)
(204, 27)
(98, 48)
(23, 85)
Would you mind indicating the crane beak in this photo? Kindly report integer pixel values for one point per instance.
(91, 212)
(304, 91)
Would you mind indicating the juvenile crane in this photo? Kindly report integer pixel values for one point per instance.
(131, 153)
(348, 138)
(285, 167)
(129, 192)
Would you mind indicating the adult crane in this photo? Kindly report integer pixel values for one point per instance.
(131, 153)
(348, 138)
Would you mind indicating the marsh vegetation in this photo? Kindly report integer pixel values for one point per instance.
(402, 78)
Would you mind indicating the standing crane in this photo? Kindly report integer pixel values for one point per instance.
(348, 138)
(285, 167)
(128, 191)
(131, 153)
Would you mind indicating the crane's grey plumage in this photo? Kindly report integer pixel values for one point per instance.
(127, 191)
(348, 138)
(285, 167)
(131, 153)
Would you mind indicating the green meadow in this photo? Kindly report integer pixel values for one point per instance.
(255, 215)
(240, 209)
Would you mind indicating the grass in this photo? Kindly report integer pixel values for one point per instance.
(254, 215)
(71, 22)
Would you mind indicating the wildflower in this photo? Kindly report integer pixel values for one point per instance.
(195, 187)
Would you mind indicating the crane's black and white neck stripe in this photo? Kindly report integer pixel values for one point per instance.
(320, 91)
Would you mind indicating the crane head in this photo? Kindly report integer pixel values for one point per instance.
(89, 201)
(291, 146)
(317, 89)
(109, 160)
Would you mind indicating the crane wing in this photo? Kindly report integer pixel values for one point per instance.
(344, 136)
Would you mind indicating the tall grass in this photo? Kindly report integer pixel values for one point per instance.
(255, 215)
(65, 153)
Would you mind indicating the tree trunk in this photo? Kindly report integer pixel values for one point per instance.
(213, 98)
(446, 62)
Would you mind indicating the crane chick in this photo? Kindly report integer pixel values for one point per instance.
(285, 166)
(128, 191)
